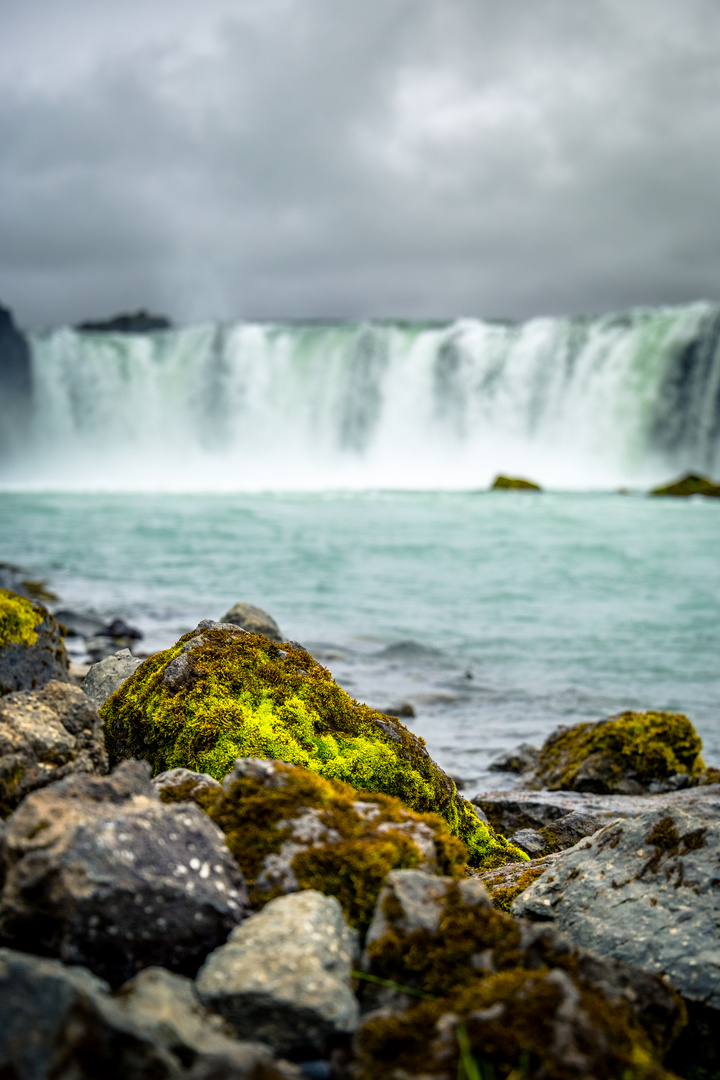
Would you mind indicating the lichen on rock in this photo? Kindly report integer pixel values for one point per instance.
(623, 754)
(220, 693)
(291, 829)
(471, 982)
(18, 619)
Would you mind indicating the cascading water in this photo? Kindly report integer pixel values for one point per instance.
(573, 403)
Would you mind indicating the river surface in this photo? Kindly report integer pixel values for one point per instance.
(497, 616)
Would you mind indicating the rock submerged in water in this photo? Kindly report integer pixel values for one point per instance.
(513, 483)
(220, 694)
(690, 484)
(291, 829)
(32, 652)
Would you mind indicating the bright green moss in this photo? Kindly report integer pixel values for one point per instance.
(512, 1006)
(354, 857)
(240, 695)
(18, 619)
(647, 746)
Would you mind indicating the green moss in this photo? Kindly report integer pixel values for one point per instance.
(351, 863)
(475, 971)
(512, 483)
(652, 745)
(18, 619)
(691, 484)
(240, 695)
(503, 896)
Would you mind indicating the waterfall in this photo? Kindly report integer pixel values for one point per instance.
(624, 399)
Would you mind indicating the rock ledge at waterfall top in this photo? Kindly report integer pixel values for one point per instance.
(220, 694)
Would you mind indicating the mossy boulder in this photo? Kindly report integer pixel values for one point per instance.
(513, 483)
(690, 484)
(291, 829)
(220, 694)
(625, 754)
(465, 990)
(31, 646)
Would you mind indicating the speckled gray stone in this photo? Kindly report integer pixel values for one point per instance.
(284, 975)
(623, 893)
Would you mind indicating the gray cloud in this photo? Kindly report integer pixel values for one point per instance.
(323, 157)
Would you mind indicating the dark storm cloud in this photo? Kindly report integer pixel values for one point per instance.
(324, 157)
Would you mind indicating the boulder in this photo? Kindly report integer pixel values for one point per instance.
(284, 976)
(254, 620)
(644, 891)
(291, 829)
(513, 483)
(221, 693)
(45, 735)
(138, 322)
(99, 872)
(107, 676)
(14, 579)
(509, 811)
(626, 754)
(78, 623)
(520, 760)
(62, 1022)
(690, 484)
(31, 646)
(455, 986)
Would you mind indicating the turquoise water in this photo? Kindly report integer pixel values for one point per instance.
(497, 616)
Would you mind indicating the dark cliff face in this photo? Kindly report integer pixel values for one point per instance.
(15, 367)
(141, 322)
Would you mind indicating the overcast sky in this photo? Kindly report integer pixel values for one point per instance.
(421, 158)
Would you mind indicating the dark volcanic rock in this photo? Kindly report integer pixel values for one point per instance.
(520, 760)
(99, 872)
(78, 623)
(45, 735)
(140, 322)
(254, 620)
(15, 365)
(118, 628)
(25, 666)
(62, 1022)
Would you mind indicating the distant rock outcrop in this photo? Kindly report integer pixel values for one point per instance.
(514, 483)
(691, 484)
(139, 322)
(15, 368)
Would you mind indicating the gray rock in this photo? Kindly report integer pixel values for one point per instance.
(99, 872)
(107, 676)
(522, 759)
(62, 1022)
(183, 785)
(45, 735)
(78, 623)
(508, 811)
(529, 841)
(284, 975)
(569, 830)
(644, 891)
(26, 667)
(254, 620)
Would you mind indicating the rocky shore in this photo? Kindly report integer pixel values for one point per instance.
(215, 864)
